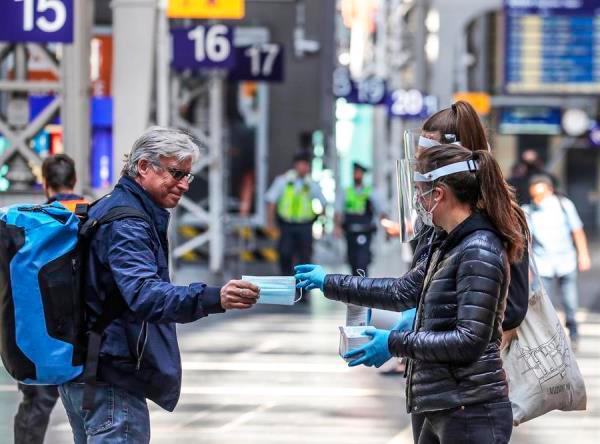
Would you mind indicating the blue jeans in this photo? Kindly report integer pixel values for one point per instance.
(569, 299)
(118, 416)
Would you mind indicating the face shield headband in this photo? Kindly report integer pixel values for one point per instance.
(425, 142)
(459, 167)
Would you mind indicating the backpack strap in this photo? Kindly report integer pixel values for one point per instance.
(112, 307)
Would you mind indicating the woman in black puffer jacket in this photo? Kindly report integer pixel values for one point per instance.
(456, 385)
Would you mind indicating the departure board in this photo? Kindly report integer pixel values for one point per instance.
(552, 46)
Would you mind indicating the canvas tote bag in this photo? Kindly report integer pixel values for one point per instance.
(540, 366)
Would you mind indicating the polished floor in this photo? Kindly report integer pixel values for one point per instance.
(273, 375)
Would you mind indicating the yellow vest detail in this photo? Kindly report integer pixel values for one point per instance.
(356, 202)
(296, 206)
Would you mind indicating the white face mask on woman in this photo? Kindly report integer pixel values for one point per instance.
(425, 215)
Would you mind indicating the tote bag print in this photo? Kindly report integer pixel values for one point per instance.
(540, 366)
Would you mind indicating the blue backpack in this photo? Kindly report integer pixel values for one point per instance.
(44, 338)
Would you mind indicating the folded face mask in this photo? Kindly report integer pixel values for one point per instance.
(278, 290)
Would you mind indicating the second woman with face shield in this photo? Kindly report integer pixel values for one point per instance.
(456, 387)
(458, 124)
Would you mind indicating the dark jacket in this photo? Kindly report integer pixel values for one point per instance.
(460, 292)
(64, 197)
(518, 289)
(128, 259)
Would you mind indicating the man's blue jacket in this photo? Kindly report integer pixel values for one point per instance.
(129, 259)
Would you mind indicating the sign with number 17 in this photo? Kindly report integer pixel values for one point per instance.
(36, 21)
(259, 63)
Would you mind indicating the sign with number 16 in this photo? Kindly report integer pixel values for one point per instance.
(36, 21)
(203, 47)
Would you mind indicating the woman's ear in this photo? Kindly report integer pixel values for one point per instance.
(441, 193)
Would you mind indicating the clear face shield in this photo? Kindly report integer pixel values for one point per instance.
(415, 195)
(416, 140)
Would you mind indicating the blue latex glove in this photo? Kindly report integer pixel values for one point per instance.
(407, 321)
(375, 353)
(309, 276)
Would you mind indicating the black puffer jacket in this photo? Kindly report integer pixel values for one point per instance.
(460, 291)
(517, 301)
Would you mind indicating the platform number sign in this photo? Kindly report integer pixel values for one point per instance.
(203, 47)
(36, 21)
(259, 63)
(371, 90)
(411, 103)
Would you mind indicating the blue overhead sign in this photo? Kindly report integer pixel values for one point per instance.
(552, 46)
(260, 63)
(368, 91)
(41, 21)
(212, 47)
(411, 104)
(203, 47)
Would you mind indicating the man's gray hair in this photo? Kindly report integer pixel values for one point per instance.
(157, 142)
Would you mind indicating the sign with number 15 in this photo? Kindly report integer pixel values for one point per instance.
(36, 21)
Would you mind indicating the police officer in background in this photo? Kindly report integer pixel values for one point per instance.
(357, 209)
(290, 203)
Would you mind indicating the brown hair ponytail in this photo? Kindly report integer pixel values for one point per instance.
(498, 201)
(485, 190)
(462, 120)
(469, 129)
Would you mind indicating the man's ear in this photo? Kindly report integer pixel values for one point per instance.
(143, 167)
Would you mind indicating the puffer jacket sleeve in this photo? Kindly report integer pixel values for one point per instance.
(480, 275)
(395, 294)
(135, 270)
(518, 294)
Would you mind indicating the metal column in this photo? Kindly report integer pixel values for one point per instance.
(216, 195)
(133, 72)
(75, 110)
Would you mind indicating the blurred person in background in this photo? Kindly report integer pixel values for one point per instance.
(31, 421)
(528, 166)
(290, 207)
(559, 246)
(357, 211)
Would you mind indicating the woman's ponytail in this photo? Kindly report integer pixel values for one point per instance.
(469, 129)
(498, 201)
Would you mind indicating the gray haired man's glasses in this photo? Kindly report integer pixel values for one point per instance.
(175, 173)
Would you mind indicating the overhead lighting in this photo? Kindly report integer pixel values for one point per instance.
(432, 47)
(432, 21)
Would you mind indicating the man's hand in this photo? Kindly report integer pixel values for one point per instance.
(239, 295)
(584, 262)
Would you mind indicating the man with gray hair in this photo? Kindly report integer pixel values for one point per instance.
(128, 291)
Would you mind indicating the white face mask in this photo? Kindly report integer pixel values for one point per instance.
(426, 216)
(278, 290)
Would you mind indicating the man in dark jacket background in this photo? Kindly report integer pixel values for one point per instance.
(128, 263)
(31, 421)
